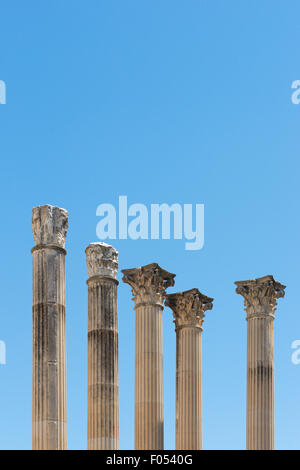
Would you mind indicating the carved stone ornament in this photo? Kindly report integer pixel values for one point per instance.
(101, 260)
(148, 283)
(260, 295)
(188, 307)
(49, 225)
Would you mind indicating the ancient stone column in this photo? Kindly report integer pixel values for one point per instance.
(49, 420)
(103, 374)
(260, 297)
(148, 285)
(188, 311)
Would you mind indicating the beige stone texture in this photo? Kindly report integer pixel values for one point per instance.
(260, 299)
(188, 310)
(103, 374)
(49, 409)
(148, 284)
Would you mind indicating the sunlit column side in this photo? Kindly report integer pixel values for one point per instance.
(260, 297)
(148, 285)
(188, 311)
(103, 374)
(49, 410)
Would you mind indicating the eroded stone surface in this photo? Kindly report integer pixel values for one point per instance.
(260, 299)
(148, 283)
(188, 310)
(260, 295)
(101, 260)
(49, 418)
(49, 225)
(188, 307)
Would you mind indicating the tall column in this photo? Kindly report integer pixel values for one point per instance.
(103, 374)
(188, 311)
(260, 297)
(148, 285)
(49, 413)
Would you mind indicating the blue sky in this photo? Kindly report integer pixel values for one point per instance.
(172, 101)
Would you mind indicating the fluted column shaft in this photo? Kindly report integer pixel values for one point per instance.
(49, 420)
(188, 389)
(103, 374)
(103, 382)
(148, 285)
(148, 377)
(260, 383)
(260, 298)
(188, 311)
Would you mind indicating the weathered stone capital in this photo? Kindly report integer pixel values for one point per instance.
(148, 283)
(49, 225)
(188, 307)
(102, 260)
(260, 295)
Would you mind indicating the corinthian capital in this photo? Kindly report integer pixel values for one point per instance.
(101, 260)
(148, 283)
(260, 295)
(49, 225)
(188, 307)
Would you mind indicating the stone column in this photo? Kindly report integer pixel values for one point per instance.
(49, 420)
(188, 310)
(148, 285)
(260, 297)
(103, 374)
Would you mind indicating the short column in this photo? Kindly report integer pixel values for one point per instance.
(188, 310)
(103, 374)
(49, 409)
(260, 296)
(148, 285)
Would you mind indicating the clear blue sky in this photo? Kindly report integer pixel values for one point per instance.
(171, 101)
